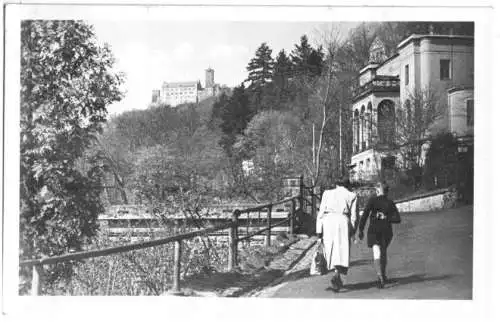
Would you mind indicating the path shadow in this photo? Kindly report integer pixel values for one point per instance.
(360, 262)
(219, 281)
(397, 281)
(392, 282)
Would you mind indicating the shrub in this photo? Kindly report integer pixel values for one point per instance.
(142, 272)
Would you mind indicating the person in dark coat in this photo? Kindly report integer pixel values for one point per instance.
(382, 213)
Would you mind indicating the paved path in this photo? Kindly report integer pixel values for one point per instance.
(429, 258)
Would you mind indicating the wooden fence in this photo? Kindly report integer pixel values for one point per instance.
(231, 227)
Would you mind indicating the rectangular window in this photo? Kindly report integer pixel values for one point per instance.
(407, 74)
(444, 69)
(470, 112)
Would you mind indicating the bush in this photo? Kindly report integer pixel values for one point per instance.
(142, 272)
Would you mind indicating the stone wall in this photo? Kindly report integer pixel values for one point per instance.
(436, 200)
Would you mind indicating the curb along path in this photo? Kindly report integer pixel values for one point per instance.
(295, 257)
(297, 270)
(239, 284)
(276, 269)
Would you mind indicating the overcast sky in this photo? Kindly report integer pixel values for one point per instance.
(150, 52)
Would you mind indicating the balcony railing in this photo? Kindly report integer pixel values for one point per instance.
(376, 145)
(379, 83)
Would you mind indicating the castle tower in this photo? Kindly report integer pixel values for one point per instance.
(209, 78)
(155, 96)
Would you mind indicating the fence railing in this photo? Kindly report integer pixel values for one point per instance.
(231, 226)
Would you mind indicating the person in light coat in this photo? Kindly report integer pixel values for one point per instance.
(335, 225)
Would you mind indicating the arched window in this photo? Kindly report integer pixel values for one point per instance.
(408, 112)
(369, 122)
(470, 112)
(386, 122)
(355, 132)
(362, 128)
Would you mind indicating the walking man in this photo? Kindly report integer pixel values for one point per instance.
(383, 213)
(335, 224)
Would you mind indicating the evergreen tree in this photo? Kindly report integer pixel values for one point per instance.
(282, 70)
(316, 61)
(234, 116)
(306, 60)
(300, 54)
(260, 73)
(217, 107)
(260, 68)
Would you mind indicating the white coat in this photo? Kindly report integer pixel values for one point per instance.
(337, 219)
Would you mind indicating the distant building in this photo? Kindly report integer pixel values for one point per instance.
(209, 78)
(443, 64)
(156, 95)
(176, 93)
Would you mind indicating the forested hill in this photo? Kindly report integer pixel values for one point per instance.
(204, 107)
(290, 116)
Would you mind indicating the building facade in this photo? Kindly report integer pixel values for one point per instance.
(177, 93)
(430, 69)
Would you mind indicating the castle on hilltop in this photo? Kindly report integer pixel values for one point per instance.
(176, 93)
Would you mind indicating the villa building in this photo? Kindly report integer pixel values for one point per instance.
(441, 65)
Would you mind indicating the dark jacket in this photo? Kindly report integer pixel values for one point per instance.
(382, 212)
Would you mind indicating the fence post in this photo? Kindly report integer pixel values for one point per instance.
(233, 242)
(292, 217)
(177, 266)
(37, 279)
(268, 233)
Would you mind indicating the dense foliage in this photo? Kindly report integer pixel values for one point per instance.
(67, 82)
(141, 272)
(447, 165)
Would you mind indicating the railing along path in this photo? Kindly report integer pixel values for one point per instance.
(234, 239)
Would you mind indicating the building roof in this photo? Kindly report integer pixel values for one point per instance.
(180, 84)
(370, 65)
(423, 36)
(373, 65)
(459, 88)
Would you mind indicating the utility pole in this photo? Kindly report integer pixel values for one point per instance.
(314, 147)
(340, 142)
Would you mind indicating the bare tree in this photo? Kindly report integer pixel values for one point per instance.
(343, 62)
(417, 119)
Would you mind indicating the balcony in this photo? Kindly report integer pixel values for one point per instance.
(365, 145)
(377, 84)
